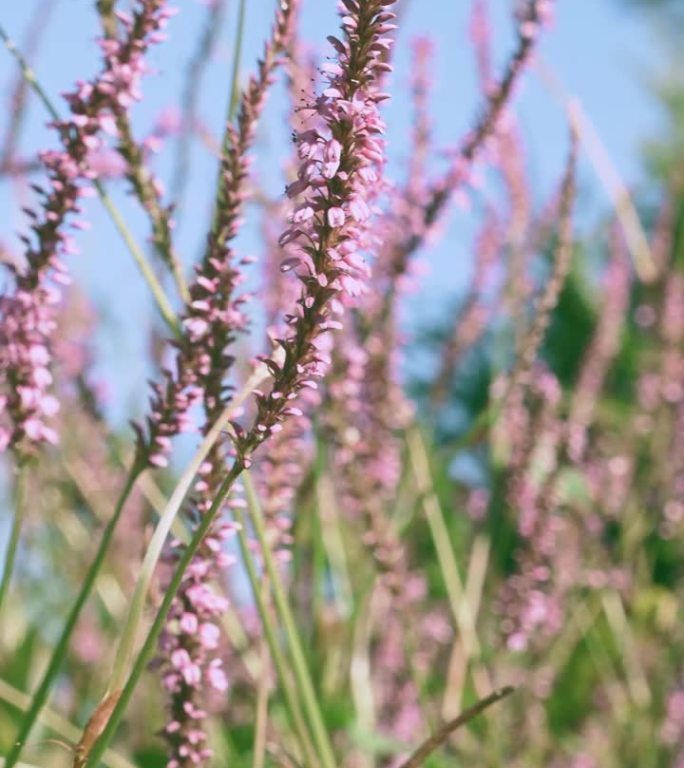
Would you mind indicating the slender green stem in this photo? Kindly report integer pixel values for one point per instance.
(160, 297)
(115, 696)
(12, 544)
(233, 102)
(291, 699)
(166, 522)
(300, 668)
(333, 541)
(146, 270)
(50, 675)
(439, 532)
(261, 707)
(234, 89)
(149, 645)
(28, 74)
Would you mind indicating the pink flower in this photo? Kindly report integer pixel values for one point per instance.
(336, 217)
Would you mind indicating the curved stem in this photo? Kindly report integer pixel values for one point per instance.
(59, 653)
(419, 757)
(160, 297)
(11, 552)
(55, 722)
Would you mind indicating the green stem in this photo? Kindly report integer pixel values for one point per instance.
(234, 90)
(160, 297)
(301, 671)
(120, 697)
(162, 301)
(28, 74)
(441, 539)
(59, 653)
(149, 645)
(233, 102)
(291, 699)
(11, 552)
(261, 707)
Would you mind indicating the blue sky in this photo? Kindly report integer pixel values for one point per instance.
(601, 52)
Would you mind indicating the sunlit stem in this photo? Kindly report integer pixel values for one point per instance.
(15, 533)
(300, 668)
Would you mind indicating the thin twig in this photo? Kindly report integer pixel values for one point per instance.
(419, 757)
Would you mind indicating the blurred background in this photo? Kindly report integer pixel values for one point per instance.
(583, 610)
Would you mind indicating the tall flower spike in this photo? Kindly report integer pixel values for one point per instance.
(471, 319)
(603, 348)
(214, 314)
(27, 312)
(342, 155)
(192, 666)
(534, 14)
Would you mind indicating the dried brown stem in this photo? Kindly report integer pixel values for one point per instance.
(435, 741)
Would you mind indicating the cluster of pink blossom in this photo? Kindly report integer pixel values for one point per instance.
(398, 697)
(340, 153)
(189, 644)
(672, 729)
(535, 441)
(421, 140)
(411, 638)
(531, 599)
(364, 406)
(27, 310)
(363, 416)
(605, 345)
(341, 158)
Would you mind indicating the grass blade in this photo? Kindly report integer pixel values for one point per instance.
(300, 668)
(49, 677)
(57, 723)
(155, 547)
(15, 533)
(291, 698)
(149, 645)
